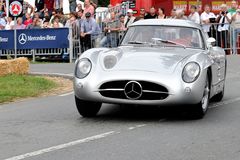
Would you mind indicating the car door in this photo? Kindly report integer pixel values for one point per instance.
(218, 68)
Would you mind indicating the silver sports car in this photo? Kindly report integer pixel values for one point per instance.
(159, 62)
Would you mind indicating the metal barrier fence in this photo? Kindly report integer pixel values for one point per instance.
(107, 39)
(44, 52)
(34, 52)
(76, 46)
(229, 40)
(74, 41)
(226, 36)
(105, 14)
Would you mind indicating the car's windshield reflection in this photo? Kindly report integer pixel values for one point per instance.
(164, 35)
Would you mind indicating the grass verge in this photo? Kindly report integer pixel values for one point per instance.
(14, 87)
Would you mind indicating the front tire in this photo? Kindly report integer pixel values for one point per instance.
(200, 109)
(87, 108)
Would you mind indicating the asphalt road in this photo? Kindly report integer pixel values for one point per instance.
(50, 128)
(61, 68)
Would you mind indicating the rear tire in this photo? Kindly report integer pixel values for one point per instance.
(87, 108)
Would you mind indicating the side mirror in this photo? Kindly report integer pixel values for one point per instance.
(211, 42)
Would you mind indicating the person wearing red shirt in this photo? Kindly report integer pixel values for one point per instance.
(28, 20)
(186, 38)
(49, 6)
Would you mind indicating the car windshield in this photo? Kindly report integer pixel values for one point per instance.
(164, 36)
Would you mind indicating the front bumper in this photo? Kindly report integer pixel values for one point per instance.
(179, 91)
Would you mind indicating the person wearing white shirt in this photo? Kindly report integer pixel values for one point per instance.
(129, 18)
(194, 15)
(10, 24)
(224, 19)
(207, 18)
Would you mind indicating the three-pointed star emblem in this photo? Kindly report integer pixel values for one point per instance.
(133, 90)
(22, 39)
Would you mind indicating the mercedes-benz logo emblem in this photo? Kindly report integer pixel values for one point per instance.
(133, 90)
(22, 38)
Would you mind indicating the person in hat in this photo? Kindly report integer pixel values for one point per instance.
(89, 31)
(129, 18)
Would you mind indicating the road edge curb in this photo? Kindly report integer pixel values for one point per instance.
(66, 76)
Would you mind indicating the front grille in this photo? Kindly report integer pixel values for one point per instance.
(114, 85)
(150, 91)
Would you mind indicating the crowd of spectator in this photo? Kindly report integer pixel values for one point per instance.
(215, 25)
(45, 14)
(49, 14)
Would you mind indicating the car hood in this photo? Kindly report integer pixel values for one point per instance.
(149, 59)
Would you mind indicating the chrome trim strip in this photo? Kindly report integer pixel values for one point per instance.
(148, 91)
(218, 82)
(112, 89)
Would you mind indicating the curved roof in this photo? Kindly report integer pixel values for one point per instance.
(167, 22)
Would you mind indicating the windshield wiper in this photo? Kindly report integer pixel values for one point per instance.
(136, 42)
(169, 42)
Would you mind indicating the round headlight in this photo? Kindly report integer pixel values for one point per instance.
(83, 68)
(191, 72)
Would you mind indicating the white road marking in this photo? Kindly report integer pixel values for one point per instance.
(225, 102)
(66, 94)
(137, 126)
(62, 146)
(96, 137)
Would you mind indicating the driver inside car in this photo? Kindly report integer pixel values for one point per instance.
(186, 38)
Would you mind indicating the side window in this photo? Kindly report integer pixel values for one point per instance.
(129, 35)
